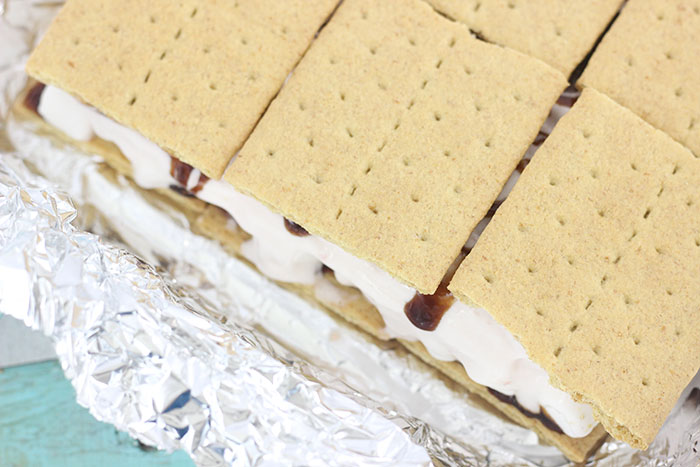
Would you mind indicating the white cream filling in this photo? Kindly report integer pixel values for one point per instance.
(490, 354)
(81, 122)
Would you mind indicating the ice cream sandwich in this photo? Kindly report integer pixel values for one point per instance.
(361, 182)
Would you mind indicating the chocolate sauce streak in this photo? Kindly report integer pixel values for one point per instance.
(568, 97)
(425, 311)
(182, 191)
(522, 164)
(541, 136)
(541, 416)
(31, 100)
(493, 209)
(181, 172)
(295, 229)
(203, 179)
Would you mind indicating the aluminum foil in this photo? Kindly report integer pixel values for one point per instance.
(203, 353)
(147, 359)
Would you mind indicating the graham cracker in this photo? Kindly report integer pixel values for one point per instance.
(648, 62)
(395, 134)
(193, 76)
(559, 32)
(593, 262)
(357, 310)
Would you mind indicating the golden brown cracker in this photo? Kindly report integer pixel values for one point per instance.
(592, 263)
(559, 32)
(193, 76)
(648, 62)
(395, 134)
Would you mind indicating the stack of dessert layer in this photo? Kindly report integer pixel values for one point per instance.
(357, 149)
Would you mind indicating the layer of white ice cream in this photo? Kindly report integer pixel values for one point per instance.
(489, 353)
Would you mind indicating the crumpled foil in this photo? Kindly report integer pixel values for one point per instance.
(157, 365)
(202, 353)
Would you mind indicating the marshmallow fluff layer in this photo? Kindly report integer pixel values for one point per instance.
(489, 353)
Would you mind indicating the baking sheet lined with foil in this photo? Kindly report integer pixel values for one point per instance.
(209, 356)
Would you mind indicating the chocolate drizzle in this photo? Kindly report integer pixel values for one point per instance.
(294, 228)
(541, 415)
(425, 311)
(33, 97)
(182, 191)
(181, 172)
(541, 136)
(568, 97)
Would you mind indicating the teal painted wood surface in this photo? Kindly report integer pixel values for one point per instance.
(42, 425)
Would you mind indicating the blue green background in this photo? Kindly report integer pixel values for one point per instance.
(42, 425)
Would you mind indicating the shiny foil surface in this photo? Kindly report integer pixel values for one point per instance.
(165, 336)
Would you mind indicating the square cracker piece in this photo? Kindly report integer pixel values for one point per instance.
(649, 62)
(560, 32)
(395, 134)
(593, 263)
(193, 76)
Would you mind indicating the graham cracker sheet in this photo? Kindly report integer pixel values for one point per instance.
(649, 62)
(559, 32)
(592, 263)
(395, 134)
(193, 76)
